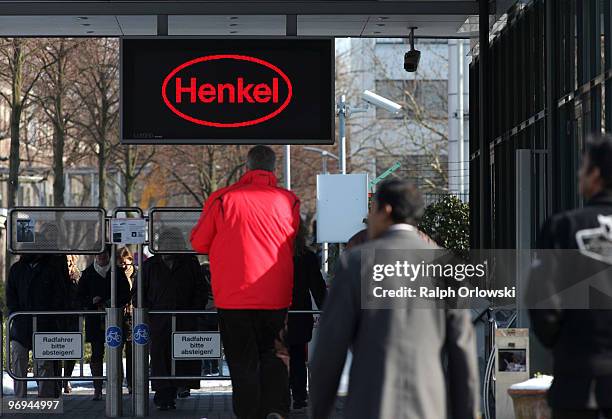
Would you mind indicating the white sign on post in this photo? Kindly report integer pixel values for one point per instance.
(196, 345)
(128, 230)
(342, 205)
(65, 345)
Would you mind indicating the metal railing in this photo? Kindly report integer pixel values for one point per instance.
(75, 230)
(35, 315)
(174, 314)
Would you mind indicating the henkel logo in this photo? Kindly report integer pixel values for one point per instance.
(261, 95)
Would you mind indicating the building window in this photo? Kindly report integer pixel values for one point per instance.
(391, 40)
(420, 99)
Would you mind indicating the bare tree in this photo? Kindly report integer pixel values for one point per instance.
(98, 90)
(132, 162)
(197, 171)
(59, 102)
(20, 69)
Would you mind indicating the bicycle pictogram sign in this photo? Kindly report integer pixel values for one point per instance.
(114, 337)
(140, 334)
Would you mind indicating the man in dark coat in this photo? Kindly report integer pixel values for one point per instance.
(580, 340)
(171, 282)
(94, 291)
(34, 284)
(71, 302)
(209, 322)
(307, 281)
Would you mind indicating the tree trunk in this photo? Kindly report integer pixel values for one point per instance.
(16, 110)
(14, 157)
(212, 170)
(59, 184)
(129, 176)
(102, 174)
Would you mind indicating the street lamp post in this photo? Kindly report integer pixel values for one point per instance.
(287, 167)
(344, 110)
(324, 246)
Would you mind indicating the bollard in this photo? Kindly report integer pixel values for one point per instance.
(140, 346)
(114, 364)
(140, 352)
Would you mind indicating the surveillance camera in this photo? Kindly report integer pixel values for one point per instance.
(381, 102)
(412, 57)
(411, 60)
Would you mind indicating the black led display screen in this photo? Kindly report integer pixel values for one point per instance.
(227, 91)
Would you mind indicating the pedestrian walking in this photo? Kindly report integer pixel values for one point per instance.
(580, 339)
(308, 284)
(94, 291)
(210, 323)
(171, 282)
(407, 363)
(126, 261)
(35, 283)
(248, 230)
(72, 302)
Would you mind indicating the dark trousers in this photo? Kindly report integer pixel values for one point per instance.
(97, 362)
(97, 351)
(297, 372)
(582, 414)
(69, 368)
(257, 357)
(128, 362)
(164, 396)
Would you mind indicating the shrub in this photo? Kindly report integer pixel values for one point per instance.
(447, 222)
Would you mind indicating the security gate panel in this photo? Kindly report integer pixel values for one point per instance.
(56, 230)
(170, 228)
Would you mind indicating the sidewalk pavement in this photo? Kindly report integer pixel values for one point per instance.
(209, 405)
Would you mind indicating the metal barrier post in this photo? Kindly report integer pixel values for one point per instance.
(140, 350)
(114, 346)
(1, 360)
(114, 335)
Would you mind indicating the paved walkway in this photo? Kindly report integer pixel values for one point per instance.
(200, 405)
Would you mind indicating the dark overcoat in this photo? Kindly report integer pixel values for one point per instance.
(91, 285)
(174, 284)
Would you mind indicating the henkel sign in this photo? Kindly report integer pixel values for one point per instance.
(239, 93)
(227, 91)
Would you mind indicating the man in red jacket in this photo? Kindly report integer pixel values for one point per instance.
(248, 229)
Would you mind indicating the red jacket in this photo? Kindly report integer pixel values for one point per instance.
(248, 229)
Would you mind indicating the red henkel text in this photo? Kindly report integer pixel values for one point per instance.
(227, 92)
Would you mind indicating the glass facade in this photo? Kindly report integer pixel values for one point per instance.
(548, 80)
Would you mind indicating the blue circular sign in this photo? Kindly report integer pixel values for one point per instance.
(114, 337)
(140, 334)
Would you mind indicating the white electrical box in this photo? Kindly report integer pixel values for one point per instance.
(512, 366)
(342, 206)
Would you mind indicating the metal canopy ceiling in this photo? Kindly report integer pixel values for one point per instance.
(323, 25)
(368, 18)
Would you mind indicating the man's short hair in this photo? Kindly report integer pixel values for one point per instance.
(107, 250)
(403, 197)
(599, 150)
(261, 157)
